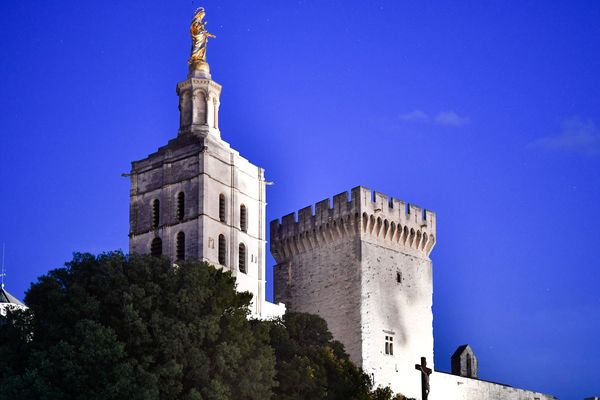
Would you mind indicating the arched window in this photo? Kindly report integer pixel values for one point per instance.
(156, 247)
(242, 256)
(222, 250)
(243, 218)
(180, 206)
(180, 246)
(222, 207)
(155, 213)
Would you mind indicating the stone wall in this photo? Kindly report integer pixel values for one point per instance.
(400, 310)
(162, 176)
(326, 282)
(451, 387)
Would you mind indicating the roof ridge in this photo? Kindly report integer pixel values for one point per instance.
(6, 297)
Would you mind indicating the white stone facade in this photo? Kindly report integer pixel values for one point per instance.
(452, 387)
(221, 218)
(363, 265)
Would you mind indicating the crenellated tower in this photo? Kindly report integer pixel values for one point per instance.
(363, 265)
(197, 197)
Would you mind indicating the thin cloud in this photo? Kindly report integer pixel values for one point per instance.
(577, 136)
(416, 115)
(450, 118)
(443, 118)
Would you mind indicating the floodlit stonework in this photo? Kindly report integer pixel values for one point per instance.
(362, 263)
(451, 387)
(198, 198)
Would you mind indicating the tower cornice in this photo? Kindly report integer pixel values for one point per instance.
(191, 83)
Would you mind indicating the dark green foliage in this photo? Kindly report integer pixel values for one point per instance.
(310, 365)
(386, 394)
(112, 327)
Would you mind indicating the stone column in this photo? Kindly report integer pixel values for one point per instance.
(210, 111)
(216, 108)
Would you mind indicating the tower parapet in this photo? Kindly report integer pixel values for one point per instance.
(372, 215)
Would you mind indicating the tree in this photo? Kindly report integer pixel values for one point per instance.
(117, 327)
(385, 393)
(311, 365)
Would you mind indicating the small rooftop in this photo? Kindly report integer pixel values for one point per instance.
(6, 297)
(460, 350)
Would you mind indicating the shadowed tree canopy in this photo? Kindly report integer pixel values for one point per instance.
(117, 327)
(311, 365)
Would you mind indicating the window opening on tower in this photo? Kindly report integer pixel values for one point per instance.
(389, 345)
(222, 249)
(243, 218)
(155, 213)
(156, 247)
(242, 258)
(180, 206)
(180, 246)
(222, 207)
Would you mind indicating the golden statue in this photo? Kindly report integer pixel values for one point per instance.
(199, 39)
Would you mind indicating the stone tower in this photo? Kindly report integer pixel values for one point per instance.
(464, 362)
(363, 265)
(198, 198)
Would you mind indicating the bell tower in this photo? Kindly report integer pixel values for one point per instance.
(197, 197)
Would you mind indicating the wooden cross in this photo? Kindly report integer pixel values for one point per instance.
(425, 372)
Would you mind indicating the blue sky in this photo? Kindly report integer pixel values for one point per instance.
(487, 113)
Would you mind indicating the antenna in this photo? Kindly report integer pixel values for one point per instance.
(3, 274)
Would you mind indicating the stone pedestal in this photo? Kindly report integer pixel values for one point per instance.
(199, 69)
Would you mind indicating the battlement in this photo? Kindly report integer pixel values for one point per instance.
(370, 214)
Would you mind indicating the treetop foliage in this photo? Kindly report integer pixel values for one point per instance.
(117, 327)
